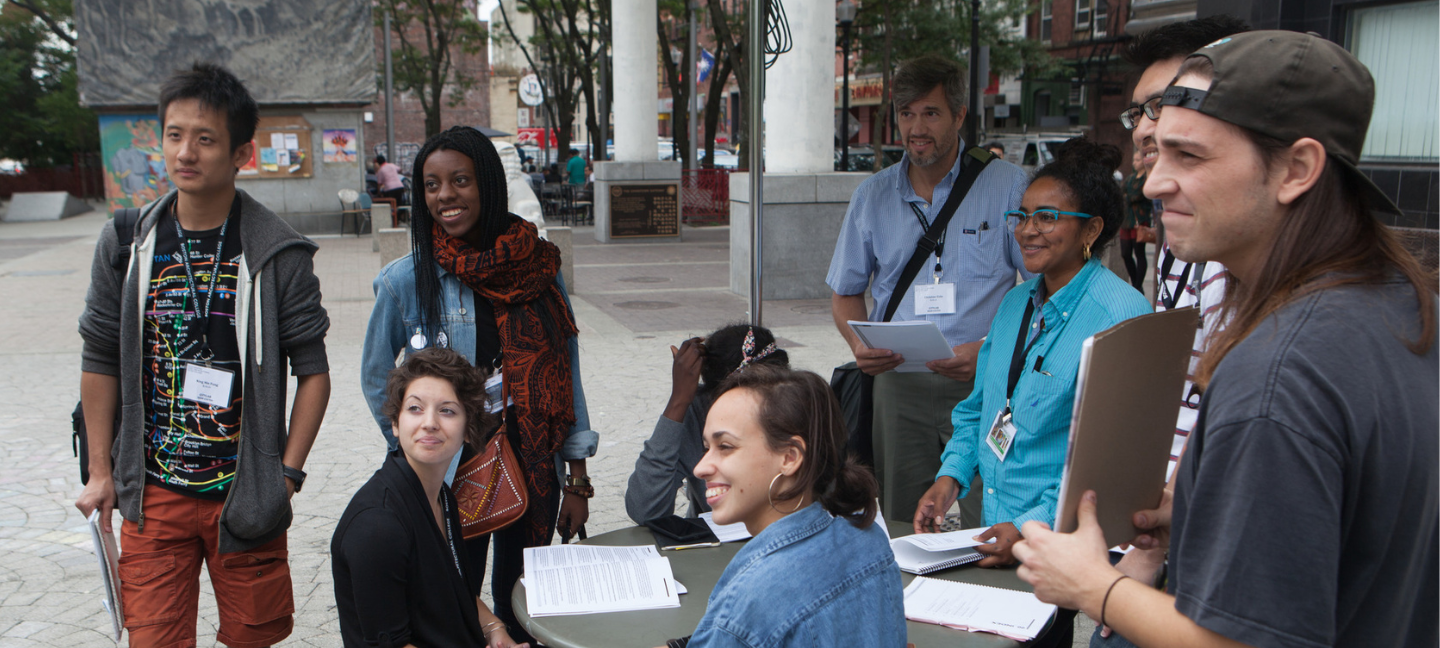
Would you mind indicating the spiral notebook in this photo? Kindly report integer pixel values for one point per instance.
(931, 552)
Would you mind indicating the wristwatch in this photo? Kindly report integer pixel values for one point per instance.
(295, 474)
(579, 486)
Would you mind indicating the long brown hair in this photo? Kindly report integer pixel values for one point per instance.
(799, 404)
(1328, 238)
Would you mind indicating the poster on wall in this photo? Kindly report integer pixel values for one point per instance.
(339, 146)
(134, 163)
(284, 143)
(250, 167)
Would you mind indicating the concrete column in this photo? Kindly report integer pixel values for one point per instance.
(800, 94)
(636, 107)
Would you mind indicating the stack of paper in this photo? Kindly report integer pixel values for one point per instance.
(977, 608)
(585, 579)
(109, 556)
(726, 532)
(923, 553)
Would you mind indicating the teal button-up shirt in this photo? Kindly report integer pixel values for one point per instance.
(1025, 485)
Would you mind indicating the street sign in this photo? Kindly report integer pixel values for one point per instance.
(530, 91)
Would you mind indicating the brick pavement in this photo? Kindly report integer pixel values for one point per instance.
(49, 588)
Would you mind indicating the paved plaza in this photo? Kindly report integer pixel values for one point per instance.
(632, 301)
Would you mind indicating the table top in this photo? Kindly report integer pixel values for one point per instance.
(698, 570)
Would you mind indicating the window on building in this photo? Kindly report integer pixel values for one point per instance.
(1082, 14)
(1401, 47)
(1045, 10)
(1102, 18)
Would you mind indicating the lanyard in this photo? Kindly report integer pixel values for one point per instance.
(204, 316)
(1017, 359)
(1166, 297)
(939, 244)
(450, 534)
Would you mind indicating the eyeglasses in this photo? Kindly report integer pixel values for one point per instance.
(1131, 116)
(1043, 219)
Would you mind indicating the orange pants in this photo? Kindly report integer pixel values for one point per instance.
(160, 578)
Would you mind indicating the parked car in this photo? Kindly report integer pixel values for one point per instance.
(1031, 151)
(862, 157)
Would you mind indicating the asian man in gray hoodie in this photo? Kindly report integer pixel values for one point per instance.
(188, 345)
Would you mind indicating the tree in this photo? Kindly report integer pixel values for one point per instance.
(672, 19)
(732, 55)
(570, 36)
(431, 34)
(45, 124)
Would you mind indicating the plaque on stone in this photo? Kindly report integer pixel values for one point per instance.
(641, 210)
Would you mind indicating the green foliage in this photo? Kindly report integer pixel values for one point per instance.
(44, 121)
(943, 26)
(426, 38)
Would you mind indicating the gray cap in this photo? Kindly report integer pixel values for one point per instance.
(1290, 85)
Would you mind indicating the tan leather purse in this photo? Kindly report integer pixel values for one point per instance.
(490, 489)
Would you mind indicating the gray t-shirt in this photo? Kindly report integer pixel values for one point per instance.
(1306, 505)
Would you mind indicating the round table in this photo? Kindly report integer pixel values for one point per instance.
(698, 570)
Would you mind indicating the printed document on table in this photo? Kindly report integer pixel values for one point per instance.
(586, 579)
(918, 341)
(726, 532)
(924, 553)
(109, 556)
(976, 608)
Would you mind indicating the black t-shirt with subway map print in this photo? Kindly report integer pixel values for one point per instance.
(190, 446)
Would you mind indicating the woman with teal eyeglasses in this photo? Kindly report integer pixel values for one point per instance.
(1013, 429)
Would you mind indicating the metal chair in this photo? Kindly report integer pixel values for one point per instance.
(354, 203)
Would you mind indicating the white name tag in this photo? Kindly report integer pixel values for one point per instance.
(935, 299)
(1002, 433)
(207, 385)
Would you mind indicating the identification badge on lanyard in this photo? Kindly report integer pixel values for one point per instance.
(935, 299)
(495, 393)
(1002, 434)
(207, 385)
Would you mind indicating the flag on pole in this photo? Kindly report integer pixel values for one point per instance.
(703, 66)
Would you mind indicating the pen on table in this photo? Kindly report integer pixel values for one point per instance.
(692, 546)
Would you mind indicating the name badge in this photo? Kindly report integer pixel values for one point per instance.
(1002, 433)
(935, 299)
(494, 392)
(207, 385)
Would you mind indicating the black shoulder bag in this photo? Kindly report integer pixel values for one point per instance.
(855, 388)
(124, 222)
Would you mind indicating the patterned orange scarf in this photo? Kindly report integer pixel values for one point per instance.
(518, 276)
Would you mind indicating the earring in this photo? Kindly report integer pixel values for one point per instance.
(771, 497)
(1085, 253)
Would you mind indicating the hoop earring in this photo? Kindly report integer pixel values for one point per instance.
(771, 497)
(1085, 253)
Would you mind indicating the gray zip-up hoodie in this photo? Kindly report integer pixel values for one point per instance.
(280, 312)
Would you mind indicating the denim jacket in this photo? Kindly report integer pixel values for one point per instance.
(809, 579)
(396, 317)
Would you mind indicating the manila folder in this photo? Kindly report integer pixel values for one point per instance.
(1127, 398)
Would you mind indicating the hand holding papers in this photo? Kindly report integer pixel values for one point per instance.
(585, 579)
(924, 553)
(976, 608)
(918, 342)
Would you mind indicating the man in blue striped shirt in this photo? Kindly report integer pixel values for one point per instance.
(961, 286)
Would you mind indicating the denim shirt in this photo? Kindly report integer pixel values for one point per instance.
(1026, 484)
(808, 579)
(396, 316)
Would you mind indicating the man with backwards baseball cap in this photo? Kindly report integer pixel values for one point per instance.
(1306, 510)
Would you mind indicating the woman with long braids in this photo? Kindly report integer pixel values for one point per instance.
(481, 281)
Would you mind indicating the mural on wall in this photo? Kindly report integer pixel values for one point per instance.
(134, 164)
(339, 146)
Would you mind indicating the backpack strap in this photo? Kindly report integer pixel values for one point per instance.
(125, 222)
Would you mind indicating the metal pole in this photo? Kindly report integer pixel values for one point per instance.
(757, 156)
(972, 121)
(604, 107)
(389, 98)
(845, 102)
(691, 82)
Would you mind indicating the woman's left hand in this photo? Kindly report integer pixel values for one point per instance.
(998, 553)
(574, 511)
(1070, 570)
